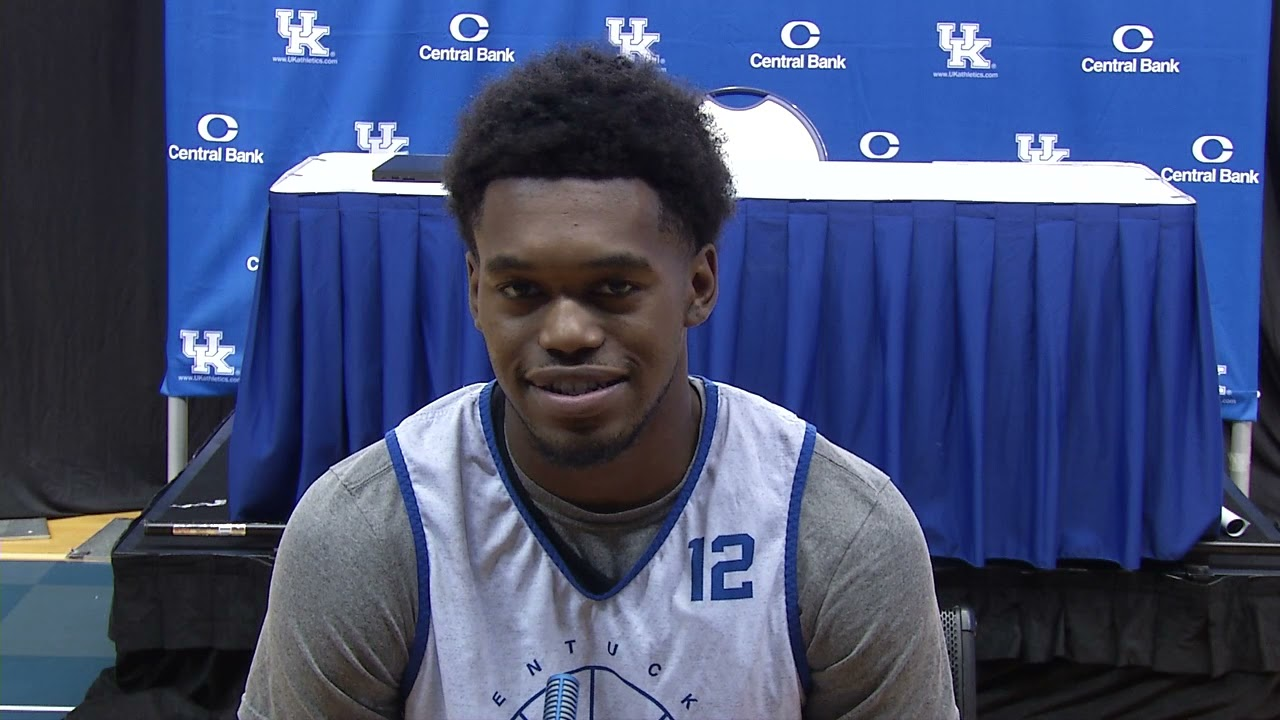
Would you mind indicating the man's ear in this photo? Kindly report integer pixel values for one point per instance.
(704, 286)
(473, 287)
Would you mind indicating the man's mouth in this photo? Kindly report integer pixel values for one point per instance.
(576, 387)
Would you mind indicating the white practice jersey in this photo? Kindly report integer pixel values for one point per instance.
(704, 627)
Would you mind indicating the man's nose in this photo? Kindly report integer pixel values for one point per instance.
(570, 329)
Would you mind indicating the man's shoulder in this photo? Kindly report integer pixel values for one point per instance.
(868, 608)
(847, 472)
(740, 396)
(842, 494)
(364, 471)
(447, 408)
(358, 496)
(366, 483)
(842, 490)
(344, 599)
(371, 471)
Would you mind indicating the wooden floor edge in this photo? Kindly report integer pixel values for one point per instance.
(65, 534)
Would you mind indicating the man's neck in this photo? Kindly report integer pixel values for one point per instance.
(643, 473)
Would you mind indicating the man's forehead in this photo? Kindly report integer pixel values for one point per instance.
(617, 261)
(625, 193)
(519, 208)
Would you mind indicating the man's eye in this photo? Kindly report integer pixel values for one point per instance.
(518, 290)
(617, 288)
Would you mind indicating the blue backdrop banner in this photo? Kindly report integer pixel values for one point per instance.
(1177, 85)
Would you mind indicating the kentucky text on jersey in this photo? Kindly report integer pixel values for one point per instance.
(560, 658)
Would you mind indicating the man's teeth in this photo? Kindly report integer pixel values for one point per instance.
(576, 388)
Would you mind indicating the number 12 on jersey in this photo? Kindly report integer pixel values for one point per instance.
(737, 561)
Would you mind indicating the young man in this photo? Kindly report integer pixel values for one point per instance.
(682, 548)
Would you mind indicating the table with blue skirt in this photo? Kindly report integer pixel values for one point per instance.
(1024, 348)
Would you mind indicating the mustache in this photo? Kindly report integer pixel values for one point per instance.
(569, 363)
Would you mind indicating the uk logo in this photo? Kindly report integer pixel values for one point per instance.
(209, 357)
(964, 51)
(1047, 152)
(304, 37)
(385, 142)
(637, 44)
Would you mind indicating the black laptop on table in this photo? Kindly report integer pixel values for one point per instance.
(411, 168)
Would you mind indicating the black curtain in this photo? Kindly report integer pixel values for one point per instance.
(83, 257)
(1265, 475)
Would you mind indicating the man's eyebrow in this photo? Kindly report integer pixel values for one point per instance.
(615, 261)
(620, 261)
(506, 263)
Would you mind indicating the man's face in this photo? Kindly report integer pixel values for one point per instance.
(584, 299)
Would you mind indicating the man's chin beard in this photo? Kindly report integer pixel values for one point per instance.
(586, 453)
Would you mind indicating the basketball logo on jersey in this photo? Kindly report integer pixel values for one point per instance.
(717, 573)
(601, 686)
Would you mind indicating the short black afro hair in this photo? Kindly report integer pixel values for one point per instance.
(586, 112)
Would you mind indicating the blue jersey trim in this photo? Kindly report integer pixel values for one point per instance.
(419, 647)
(695, 472)
(792, 550)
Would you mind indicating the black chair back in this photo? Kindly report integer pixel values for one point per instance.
(958, 627)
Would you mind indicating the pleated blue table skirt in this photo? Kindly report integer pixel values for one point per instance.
(1037, 379)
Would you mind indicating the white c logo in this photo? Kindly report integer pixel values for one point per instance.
(482, 27)
(788, 32)
(1148, 38)
(1197, 149)
(227, 135)
(252, 263)
(865, 145)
